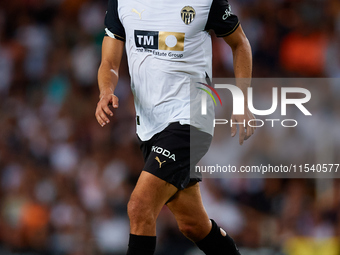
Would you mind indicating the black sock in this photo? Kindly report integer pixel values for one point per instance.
(141, 245)
(217, 244)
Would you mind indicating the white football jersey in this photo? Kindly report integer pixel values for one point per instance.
(167, 43)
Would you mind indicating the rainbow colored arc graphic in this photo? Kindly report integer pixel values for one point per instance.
(209, 93)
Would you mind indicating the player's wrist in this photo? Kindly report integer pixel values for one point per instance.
(106, 92)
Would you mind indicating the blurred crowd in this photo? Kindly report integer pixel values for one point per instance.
(65, 181)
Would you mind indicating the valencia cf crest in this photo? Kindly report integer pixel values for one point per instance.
(188, 14)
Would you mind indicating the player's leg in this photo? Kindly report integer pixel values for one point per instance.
(190, 214)
(146, 201)
(166, 170)
(194, 223)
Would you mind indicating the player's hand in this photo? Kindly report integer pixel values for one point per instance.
(244, 132)
(103, 110)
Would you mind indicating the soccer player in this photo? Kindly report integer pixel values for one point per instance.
(168, 43)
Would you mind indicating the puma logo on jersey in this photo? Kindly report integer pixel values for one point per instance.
(137, 12)
(163, 152)
(159, 161)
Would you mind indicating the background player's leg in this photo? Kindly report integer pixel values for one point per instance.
(146, 201)
(194, 223)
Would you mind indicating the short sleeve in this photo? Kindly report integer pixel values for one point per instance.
(114, 27)
(221, 19)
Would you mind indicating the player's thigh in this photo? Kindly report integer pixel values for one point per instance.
(188, 209)
(150, 194)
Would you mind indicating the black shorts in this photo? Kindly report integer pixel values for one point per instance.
(172, 154)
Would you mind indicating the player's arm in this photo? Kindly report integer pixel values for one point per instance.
(112, 51)
(242, 59)
(226, 25)
(242, 56)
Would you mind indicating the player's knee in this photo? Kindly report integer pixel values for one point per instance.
(140, 211)
(190, 230)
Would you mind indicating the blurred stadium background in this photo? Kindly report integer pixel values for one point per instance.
(65, 181)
